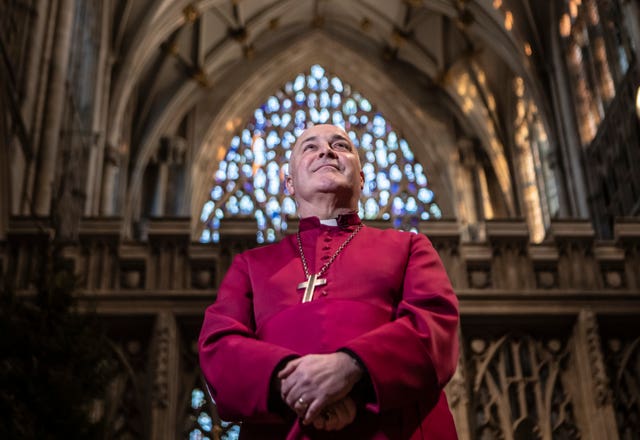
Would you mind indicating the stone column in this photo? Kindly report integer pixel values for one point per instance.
(590, 383)
(54, 108)
(165, 378)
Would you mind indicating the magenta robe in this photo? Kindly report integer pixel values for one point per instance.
(387, 299)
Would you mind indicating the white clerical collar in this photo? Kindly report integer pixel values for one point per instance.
(329, 222)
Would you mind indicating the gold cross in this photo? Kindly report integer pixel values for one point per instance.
(310, 285)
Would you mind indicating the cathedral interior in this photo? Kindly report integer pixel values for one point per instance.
(148, 139)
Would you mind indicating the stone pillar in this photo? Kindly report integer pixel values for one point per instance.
(54, 108)
(590, 383)
(457, 391)
(165, 378)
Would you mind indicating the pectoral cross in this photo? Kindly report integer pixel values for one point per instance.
(310, 285)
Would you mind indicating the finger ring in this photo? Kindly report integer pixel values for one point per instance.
(302, 402)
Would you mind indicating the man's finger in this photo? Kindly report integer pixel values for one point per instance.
(314, 410)
(289, 368)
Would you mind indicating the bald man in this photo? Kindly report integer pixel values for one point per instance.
(340, 331)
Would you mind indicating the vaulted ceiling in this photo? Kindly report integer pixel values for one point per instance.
(173, 55)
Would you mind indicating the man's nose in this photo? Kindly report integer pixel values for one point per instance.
(328, 151)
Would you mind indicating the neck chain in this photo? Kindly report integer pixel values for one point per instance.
(313, 279)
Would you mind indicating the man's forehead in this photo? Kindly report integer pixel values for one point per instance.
(322, 131)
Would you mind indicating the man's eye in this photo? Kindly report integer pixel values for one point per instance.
(341, 145)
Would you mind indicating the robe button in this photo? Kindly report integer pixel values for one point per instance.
(327, 239)
(326, 247)
(326, 257)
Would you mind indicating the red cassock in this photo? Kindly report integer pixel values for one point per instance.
(387, 300)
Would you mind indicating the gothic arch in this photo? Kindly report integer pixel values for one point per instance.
(429, 138)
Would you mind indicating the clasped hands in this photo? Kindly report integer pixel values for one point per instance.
(317, 387)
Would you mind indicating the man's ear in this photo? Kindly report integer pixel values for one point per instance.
(361, 180)
(288, 183)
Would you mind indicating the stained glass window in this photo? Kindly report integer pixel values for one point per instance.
(202, 426)
(597, 52)
(249, 181)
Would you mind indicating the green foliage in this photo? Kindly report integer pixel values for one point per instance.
(54, 361)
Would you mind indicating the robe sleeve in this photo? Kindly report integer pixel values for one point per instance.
(412, 357)
(237, 366)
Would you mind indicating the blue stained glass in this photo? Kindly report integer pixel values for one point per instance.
(325, 101)
(382, 181)
(207, 209)
(221, 176)
(404, 146)
(246, 205)
(324, 115)
(371, 209)
(260, 195)
(273, 105)
(381, 158)
(286, 119)
(197, 398)
(232, 171)
(394, 173)
(337, 84)
(350, 107)
(274, 186)
(312, 83)
(397, 207)
(196, 434)
(205, 421)
(246, 137)
(232, 205)
(298, 84)
(336, 100)
(260, 237)
(411, 206)
(425, 195)
(272, 139)
(370, 156)
(397, 222)
(312, 100)
(217, 192)
(288, 206)
(317, 71)
(394, 184)
(315, 115)
(273, 208)
(259, 178)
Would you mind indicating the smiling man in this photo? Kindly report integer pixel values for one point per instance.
(340, 331)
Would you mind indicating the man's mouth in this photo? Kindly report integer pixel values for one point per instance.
(327, 165)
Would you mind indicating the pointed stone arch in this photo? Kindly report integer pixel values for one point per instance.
(430, 138)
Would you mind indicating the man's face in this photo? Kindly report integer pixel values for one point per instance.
(324, 160)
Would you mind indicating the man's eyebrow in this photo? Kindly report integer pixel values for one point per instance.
(336, 137)
(309, 139)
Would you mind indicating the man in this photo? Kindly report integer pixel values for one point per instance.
(341, 331)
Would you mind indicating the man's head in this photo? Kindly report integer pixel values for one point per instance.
(324, 166)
